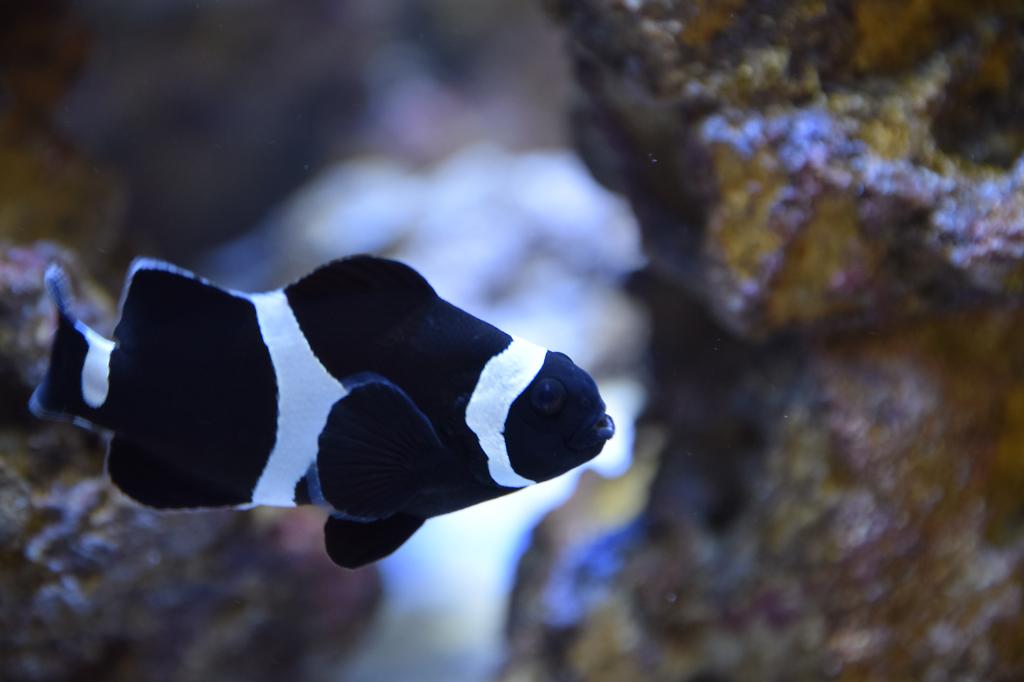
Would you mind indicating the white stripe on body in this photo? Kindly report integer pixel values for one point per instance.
(96, 368)
(502, 380)
(306, 392)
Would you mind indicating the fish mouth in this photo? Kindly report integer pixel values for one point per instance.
(593, 435)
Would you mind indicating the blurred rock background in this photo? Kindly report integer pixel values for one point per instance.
(826, 481)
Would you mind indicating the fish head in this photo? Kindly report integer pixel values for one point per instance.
(558, 422)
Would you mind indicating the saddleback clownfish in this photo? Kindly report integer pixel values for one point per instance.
(356, 388)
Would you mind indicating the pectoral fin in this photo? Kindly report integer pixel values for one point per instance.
(352, 544)
(374, 451)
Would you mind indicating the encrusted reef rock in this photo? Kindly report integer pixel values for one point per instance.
(93, 586)
(805, 162)
(841, 508)
(832, 197)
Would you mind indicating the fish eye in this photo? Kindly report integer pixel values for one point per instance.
(548, 396)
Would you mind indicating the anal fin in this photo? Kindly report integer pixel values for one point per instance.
(352, 544)
(153, 481)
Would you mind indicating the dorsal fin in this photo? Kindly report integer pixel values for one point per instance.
(361, 274)
(168, 271)
(358, 311)
(146, 263)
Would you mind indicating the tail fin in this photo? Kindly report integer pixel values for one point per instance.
(78, 376)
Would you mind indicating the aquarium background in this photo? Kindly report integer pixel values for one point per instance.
(785, 236)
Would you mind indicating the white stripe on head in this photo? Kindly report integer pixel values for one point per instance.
(306, 392)
(502, 380)
(96, 368)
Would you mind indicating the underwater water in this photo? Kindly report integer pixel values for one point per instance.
(785, 237)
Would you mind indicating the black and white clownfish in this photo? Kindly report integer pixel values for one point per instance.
(356, 388)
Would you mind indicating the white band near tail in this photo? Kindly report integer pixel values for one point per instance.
(96, 369)
(503, 379)
(306, 392)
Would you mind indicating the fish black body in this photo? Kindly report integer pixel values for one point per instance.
(356, 388)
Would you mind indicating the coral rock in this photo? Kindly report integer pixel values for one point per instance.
(800, 163)
(832, 196)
